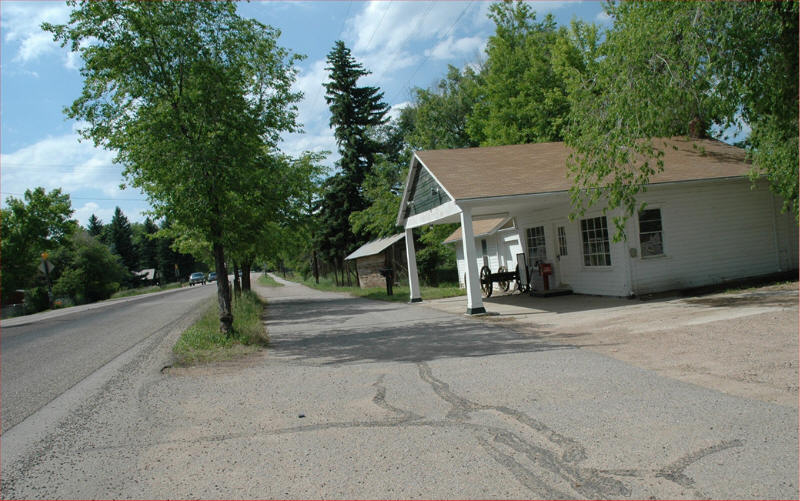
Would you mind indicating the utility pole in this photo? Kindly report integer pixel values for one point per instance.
(46, 267)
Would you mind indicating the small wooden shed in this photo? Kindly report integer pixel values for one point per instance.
(374, 256)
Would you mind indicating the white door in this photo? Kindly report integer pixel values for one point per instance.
(563, 256)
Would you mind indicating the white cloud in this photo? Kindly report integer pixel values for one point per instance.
(83, 213)
(394, 111)
(452, 48)
(62, 162)
(603, 17)
(22, 24)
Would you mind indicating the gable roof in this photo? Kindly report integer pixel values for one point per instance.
(480, 228)
(523, 169)
(375, 246)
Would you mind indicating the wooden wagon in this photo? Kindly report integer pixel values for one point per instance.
(520, 277)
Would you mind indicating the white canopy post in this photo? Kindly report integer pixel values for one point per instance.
(411, 257)
(474, 301)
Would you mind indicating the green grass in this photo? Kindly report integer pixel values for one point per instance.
(203, 343)
(268, 281)
(401, 293)
(144, 290)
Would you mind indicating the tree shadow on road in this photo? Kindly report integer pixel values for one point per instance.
(419, 342)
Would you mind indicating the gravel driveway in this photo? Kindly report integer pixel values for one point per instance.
(743, 343)
(363, 399)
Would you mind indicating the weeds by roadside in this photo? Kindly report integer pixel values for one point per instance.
(203, 343)
(401, 293)
(145, 290)
(268, 281)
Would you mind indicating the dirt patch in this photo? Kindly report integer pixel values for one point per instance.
(743, 342)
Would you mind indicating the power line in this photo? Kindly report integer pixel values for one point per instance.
(410, 32)
(458, 19)
(58, 166)
(6, 193)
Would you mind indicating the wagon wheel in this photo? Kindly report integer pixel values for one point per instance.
(503, 284)
(486, 281)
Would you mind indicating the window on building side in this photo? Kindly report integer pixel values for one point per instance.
(650, 233)
(562, 241)
(536, 248)
(596, 249)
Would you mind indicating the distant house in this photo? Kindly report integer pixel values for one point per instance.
(704, 222)
(382, 254)
(147, 276)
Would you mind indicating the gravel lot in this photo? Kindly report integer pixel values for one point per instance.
(743, 343)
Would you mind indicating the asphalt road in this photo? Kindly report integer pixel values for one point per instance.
(44, 355)
(371, 400)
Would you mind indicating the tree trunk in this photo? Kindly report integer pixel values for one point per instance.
(223, 291)
(237, 286)
(246, 275)
(315, 267)
(335, 274)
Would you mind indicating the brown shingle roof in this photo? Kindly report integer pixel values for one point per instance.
(541, 167)
(480, 227)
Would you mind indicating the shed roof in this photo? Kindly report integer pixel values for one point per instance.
(375, 246)
(522, 169)
(480, 227)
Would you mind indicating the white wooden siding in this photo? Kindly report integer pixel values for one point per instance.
(602, 280)
(712, 232)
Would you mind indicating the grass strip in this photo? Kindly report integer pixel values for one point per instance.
(203, 343)
(268, 281)
(401, 293)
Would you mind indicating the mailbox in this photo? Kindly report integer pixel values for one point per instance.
(388, 274)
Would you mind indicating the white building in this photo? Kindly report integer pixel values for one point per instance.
(704, 223)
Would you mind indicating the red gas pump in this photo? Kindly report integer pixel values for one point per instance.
(545, 270)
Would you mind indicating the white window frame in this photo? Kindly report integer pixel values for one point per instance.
(660, 232)
(596, 246)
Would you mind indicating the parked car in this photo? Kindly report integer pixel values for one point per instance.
(212, 277)
(197, 277)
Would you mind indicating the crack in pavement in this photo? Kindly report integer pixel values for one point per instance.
(675, 471)
(559, 464)
(541, 459)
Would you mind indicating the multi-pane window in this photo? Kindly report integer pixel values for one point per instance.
(562, 241)
(650, 233)
(536, 248)
(596, 249)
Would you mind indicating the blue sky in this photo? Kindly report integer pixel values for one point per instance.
(404, 44)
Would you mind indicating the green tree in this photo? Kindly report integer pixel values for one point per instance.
(687, 69)
(146, 243)
(95, 227)
(355, 111)
(188, 94)
(438, 117)
(93, 273)
(40, 222)
(121, 239)
(522, 97)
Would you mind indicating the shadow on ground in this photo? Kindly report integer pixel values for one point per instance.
(348, 330)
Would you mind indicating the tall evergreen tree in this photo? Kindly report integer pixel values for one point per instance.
(122, 239)
(147, 245)
(95, 227)
(355, 111)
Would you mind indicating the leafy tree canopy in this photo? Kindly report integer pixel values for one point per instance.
(683, 68)
(37, 223)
